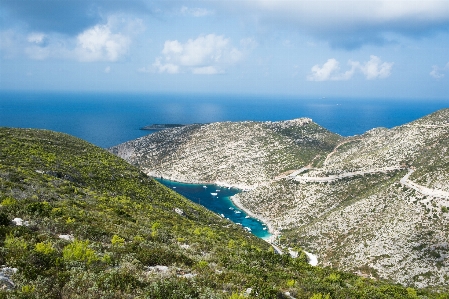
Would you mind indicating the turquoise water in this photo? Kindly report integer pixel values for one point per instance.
(216, 199)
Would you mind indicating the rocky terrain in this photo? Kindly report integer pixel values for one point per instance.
(243, 154)
(78, 222)
(375, 204)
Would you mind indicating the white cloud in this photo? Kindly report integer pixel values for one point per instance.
(169, 68)
(206, 70)
(207, 54)
(330, 71)
(107, 70)
(375, 68)
(439, 72)
(196, 12)
(100, 43)
(40, 46)
(37, 38)
(350, 23)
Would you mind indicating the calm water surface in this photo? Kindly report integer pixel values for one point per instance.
(216, 199)
(109, 119)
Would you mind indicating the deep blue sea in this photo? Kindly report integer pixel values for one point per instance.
(109, 119)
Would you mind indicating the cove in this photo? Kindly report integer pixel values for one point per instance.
(217, 199)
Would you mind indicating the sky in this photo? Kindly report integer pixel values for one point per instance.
(318, 48)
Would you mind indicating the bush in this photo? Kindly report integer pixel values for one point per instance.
(44, 248)
(117, 241)
(80, 252)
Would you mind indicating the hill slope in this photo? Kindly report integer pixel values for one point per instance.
(374, 204)
(244, 154)
(78, 222)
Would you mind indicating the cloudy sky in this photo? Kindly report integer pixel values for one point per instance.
(351, 48)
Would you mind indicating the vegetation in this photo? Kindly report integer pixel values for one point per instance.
(93, 226)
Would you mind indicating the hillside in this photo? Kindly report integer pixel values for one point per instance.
(375, 204)
(244, 154)
(78, 222)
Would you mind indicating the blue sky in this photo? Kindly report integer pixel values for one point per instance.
(319, 48)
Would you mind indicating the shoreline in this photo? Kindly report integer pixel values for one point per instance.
(274, 233)
(243, 188)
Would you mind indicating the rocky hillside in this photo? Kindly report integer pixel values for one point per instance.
(244, 154)
(78, 222)
(375, 204)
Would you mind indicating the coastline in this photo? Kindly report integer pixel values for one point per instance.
(241, 187)
(274, 233)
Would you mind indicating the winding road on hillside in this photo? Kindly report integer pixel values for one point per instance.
(422, 189)
(344, 175)
(335, 149)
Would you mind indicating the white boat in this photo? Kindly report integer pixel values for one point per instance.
(214, 194)
(248, 229)
(246, 216)
(222, 215)
(237, 212)
(231, 208)
(264, 228)
(204, 187)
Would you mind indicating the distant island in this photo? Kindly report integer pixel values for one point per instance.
(161, 126)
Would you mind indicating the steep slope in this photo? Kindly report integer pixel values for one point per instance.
(78, 222)
(375, 204)
(244, 154)
(403, 145)
(359, 217)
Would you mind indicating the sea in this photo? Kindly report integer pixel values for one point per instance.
(218, 199)
(108, 119)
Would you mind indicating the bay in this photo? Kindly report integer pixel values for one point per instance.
(217, 199)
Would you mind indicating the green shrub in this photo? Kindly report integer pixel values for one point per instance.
(9, 201)
(236, 296)
(15, 244)
(44, 248)
(320, 296)
(80, 252)
(117, 241)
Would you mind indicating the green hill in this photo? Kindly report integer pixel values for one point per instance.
(93, 226)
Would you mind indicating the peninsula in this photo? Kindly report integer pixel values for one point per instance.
(161, 126)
